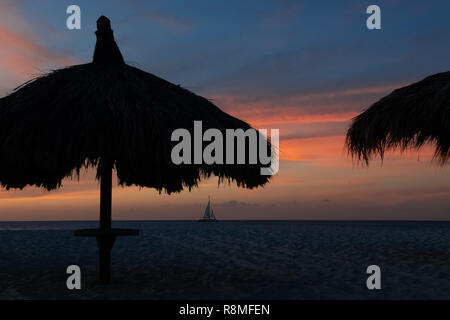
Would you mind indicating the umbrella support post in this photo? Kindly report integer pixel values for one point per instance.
(105, 235)
(105, 244)
(105, 195)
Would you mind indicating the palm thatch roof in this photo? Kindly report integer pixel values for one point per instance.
(407, 118)
(106, 110)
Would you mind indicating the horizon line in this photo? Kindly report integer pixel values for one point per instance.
(220, 220)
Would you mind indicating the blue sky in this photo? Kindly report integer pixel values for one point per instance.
(264, 47)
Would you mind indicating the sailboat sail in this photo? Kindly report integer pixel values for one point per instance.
(208, 216)
(207, 211)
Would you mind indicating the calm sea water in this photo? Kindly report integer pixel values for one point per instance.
(231, 259)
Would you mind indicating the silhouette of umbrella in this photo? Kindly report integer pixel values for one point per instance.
(407, 118)
(110, 115)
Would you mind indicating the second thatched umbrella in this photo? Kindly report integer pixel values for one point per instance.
(113, 116)
(409, 117)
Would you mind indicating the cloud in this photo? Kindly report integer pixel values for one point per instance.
(168, 21)
(22, 55)
(284, 14)
(331, 104)
(235, 203)
(156, 16)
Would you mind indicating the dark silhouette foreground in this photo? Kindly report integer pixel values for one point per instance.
(409, 117)
(113, 116)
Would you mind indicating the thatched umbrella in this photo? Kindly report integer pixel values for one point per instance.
(407, 118)
(113, 116)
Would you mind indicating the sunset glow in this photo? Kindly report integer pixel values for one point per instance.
(266, 72)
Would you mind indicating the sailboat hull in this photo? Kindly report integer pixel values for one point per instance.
(207, 220)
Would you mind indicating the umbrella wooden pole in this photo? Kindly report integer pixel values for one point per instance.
(105, 242)
(105, 196)
(105, 235)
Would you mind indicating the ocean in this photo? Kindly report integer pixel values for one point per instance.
(230, 260)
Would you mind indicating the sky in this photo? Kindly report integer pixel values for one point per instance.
(303, 67)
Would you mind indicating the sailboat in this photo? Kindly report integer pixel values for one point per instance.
(208, 216)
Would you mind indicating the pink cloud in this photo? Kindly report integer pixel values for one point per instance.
(22, 56)
(328, 107)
